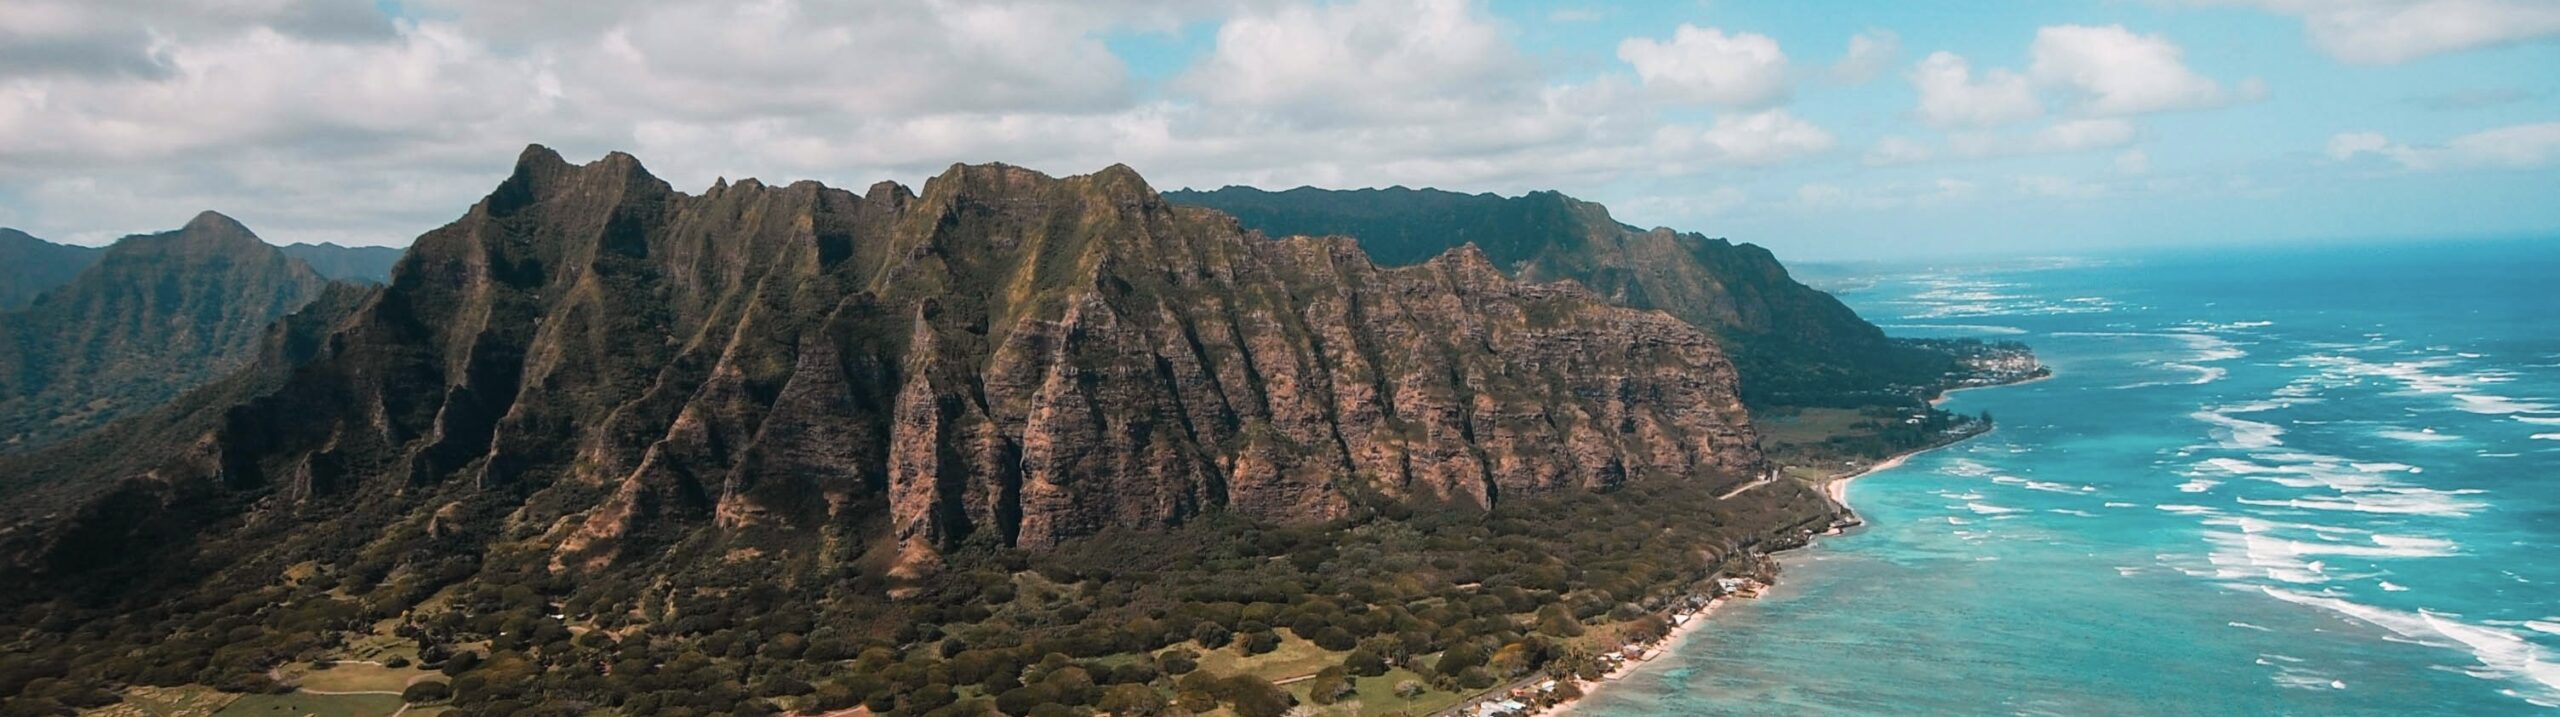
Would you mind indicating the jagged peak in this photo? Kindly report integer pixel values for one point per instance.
(538, 157)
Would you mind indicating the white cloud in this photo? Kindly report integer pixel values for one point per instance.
(2346, 145)
(1705, 65)
(1870, 53)
(1896, 150)
(1748, 139)
(2058, 187)
(2082, 135)
(2525, 146)
(2132, 162)
(2060, 137)
(1676, 209)
(1364, 59)
(2117, 72)
(1950, 96)
(2390, 31)
(1821, 196)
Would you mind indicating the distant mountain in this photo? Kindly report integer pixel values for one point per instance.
(367, 264)
(155, 316)
(30, 266)
(1793, 344)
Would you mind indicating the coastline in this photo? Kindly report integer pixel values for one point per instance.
(1837, 489)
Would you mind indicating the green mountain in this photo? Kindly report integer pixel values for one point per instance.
(155, 316)
(365, 264)
(799, 447)
(1795, 345)
(31, 266)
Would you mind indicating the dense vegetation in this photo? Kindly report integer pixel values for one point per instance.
(156, 316)
(1794, 345)
(1457, 600)
(30, 266)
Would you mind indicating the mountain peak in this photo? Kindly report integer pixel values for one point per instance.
(213, 221)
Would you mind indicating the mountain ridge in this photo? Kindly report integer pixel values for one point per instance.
(943, 366)
(155, 316)
(1795, 345)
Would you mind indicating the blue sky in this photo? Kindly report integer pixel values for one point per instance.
(1958, 128)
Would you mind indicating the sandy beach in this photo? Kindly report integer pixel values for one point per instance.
(1661, 649)
(1838, 490)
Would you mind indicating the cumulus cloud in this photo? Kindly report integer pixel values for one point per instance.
(2117, 72)
(1705, 65)
(1361, 59)
(329, 120)
(1749, 139)
(2390, 31)
(1950, 95)
(1870, 53)
(2525, 146)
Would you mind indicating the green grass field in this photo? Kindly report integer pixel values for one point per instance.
(302, 705)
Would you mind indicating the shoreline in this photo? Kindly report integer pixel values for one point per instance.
(1837, 489)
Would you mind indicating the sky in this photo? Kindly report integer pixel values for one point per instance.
(1831, 130)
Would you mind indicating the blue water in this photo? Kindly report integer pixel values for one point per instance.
(2299, 481)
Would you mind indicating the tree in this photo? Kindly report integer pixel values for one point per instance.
(1558, 621)
(1408, 689)
(1133, 701)
(1330, 685)
(1365, 663)
(1253, 696)
(427, 691)
(1212, 635)
(1256, 643)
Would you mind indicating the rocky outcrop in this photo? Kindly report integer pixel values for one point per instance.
(593, 362)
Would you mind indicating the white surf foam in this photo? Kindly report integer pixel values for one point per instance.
(2502, 655)
(2495, 405)
(2409, 436)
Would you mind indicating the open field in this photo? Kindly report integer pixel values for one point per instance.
(310, 705)
(188, 701)
(1296, 657)
(356, 677)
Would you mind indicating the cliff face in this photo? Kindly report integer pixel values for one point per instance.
(1795, 345)
(156, 315)
(593, 363)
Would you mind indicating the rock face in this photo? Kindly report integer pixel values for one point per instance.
(156, 315)
(592, 362)
(1795, 345)
(31, 266)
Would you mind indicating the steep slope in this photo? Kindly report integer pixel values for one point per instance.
(1795, 345)
(156, 315)
(595, 366)
(365, 264)
(31, 266)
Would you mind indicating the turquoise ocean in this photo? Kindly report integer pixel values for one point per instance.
(2305, 481)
